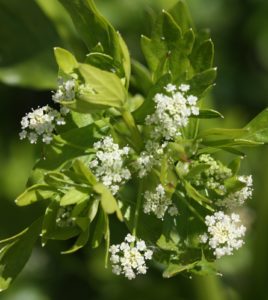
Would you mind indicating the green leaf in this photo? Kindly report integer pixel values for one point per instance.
(235, 165)
(198, 197)
(167, 245)
(196, 171)
(100, 229)
(201, 82)
(223, 132)
(79, 243)
(257, 129)
(174, 269)
(35, 193)
(181, 15)
(208, 114)
(202, 58)
(108, 202)
(141, 78)
(74, 196)
(92, 26)
(81, 169)
(65, 60)
(15, 255)
(108, 91)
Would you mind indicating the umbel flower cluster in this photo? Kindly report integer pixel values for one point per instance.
(225, 233)
(129, 258)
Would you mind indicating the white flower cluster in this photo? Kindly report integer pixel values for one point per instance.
(108, 165)
(224, 233)
(41, 122)
(129, 257)
(66, 90)
(214, 176)
(238, 198)
(172, 111)
(149, 158)
(64, 218)
(158, 203)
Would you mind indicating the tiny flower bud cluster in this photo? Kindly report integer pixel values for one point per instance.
(238, 198)
(172, 111)
(66, 90)
(41, 122)
(214, 176)
(64, 217)
(129, 257)
(108, 165)
(158, 203)
(149, 158)
(224, 233)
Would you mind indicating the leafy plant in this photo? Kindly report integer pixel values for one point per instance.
(126, 141)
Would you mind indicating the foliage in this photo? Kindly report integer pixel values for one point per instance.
(78, 204)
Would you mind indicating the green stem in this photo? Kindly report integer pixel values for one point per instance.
(138, 207)
(130, 122)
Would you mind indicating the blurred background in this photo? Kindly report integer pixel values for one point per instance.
(28, 32)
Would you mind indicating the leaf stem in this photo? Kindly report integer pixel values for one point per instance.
(130, 122)
(138, 207)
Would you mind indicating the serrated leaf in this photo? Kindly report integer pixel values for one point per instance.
(181, 15)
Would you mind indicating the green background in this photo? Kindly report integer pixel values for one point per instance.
(28, 32)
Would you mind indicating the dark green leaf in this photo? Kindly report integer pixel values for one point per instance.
(15, 255)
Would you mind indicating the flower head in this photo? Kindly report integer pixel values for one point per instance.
(129, 257)
(224, 233)
(108, 164)
(41, 122)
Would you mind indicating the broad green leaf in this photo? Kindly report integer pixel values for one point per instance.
(93, 209)
(14, 256)
(49, 221)
(65, 60)
(35, 193)
(107, 91)
(81, 241)
(26, 55)
(202, 58)
(92, 26)
(233, 184)
(125, 59)
(74, 196)
(166, 244)
(181, 15)
(201, 82)
(196, 171)
(257, 129)
(231, 143)
(102, 61)
(81, 169)
(108, 202)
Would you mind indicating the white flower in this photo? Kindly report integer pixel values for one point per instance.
(41, 122)
(129, 258)
(149, 158)
(172, 112)
(239, 197)
(224, 233)
(108, 165)
(66, 90)
(173, 211)
(156, 202)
